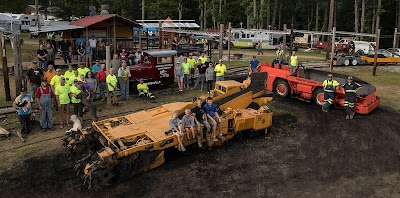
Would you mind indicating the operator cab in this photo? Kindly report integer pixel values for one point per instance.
(224, 87)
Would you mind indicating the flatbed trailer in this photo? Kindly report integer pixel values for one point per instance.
(347, 60)
(307, 85)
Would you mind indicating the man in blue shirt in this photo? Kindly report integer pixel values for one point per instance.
(254, 64)
(213, 118)
(23, 105)
(96, 68)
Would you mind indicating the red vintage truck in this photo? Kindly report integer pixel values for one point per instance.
(307, 85)
(155, 67)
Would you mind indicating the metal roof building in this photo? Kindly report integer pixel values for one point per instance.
(112, 28)
(92, 20)
(169, 23)
(56, 28)
(161, 53)
(9, 24)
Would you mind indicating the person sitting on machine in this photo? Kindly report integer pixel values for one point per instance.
(213, 119)
(279, 57)
(175, 127)
(143, 90)
(188, 125)
(200, 118)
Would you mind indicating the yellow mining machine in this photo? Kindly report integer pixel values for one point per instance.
(115, 149)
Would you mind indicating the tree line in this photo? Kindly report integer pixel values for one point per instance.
(349, 15)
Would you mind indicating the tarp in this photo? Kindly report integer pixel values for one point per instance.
(146, 29)
(187, 48)
(170, 25)
(9, 24)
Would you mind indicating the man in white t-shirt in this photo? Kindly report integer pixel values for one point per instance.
(93, 45)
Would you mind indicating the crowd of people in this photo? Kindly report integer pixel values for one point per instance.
(50, 89)
(208, 72)
(82, 50)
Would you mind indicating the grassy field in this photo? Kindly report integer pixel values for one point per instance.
(268, 56)
(28, 49)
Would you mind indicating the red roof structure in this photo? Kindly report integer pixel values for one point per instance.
(91, 20)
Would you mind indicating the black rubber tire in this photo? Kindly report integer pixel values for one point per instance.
(252, 133)
(354, 62)
(284, 83)
(152, 42)
(316, 94)
(360, 52)
(346, 62)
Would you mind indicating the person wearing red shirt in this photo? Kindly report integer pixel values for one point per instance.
(101, 77)
(45, 95)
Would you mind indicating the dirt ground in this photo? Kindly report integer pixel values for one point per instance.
(311, 154)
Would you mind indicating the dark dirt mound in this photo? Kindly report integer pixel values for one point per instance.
(313, 154)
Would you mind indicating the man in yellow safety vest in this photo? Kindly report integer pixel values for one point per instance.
(294, 63)
(220, 70)
(279, 57)
(143, 89)
(330, 85)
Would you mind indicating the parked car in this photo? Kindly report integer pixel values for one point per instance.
(396, 51)
(383, 53)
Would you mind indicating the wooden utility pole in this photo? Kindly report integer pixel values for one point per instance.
(143, 9)
(316, 16)
(108, 66)
(18, 68)
(291, 38)
(205, 15)
(221, 39)
(37, 15)
(229, 44)
(87, 34)
(330, 25)
(5, 68)
(160, 43)
(394, 41)
(284, 38)
(378, 34)
(140, 38)
(114, 36)
(254, 14)
(362, 22)
(333, 48)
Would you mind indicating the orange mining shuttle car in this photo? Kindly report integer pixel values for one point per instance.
(307, 85)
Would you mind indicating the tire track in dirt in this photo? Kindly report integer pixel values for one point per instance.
(322, 155)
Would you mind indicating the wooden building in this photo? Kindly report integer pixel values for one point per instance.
(111, 28)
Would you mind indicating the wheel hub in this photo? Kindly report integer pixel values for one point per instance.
(281, 89)
(320, 98)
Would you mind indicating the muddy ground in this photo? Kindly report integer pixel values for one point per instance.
(311, 154)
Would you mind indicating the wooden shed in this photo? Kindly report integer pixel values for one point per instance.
(111, 28)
